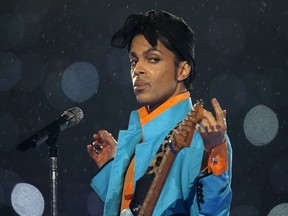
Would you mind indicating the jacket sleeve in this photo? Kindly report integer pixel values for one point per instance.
(213, 191)
(100, 180)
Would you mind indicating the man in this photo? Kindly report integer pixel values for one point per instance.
(161, 53)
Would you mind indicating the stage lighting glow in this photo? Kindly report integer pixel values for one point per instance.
(80, 81)
(260, 125)
(27, 200)
(279, 210)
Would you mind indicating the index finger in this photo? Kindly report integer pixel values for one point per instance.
(218, 111)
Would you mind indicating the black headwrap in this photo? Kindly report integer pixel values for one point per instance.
(172, 31)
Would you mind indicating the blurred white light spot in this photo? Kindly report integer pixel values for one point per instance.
(80, 81)
(10, 67)
(27, 200)
(279, 210)
(9, 132)
(246, 210)
(260, 125)
(226, 36)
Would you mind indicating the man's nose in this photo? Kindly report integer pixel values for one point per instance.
(138, 69)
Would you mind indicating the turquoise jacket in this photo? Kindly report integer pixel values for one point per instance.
(186, 190)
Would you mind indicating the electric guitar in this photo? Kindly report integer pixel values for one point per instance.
(144, 201)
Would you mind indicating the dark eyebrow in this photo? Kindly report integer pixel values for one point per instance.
(146, 52)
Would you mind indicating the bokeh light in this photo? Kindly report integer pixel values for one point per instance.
(279, 210)
(10, 67)
(27, 200)
(260, 125)
(80, 81)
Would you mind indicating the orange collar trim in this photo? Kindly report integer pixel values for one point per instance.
(146, 117)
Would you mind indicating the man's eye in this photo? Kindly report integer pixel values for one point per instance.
(133, 62)
(154, 60)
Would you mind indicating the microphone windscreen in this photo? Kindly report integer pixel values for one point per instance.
(74, 115)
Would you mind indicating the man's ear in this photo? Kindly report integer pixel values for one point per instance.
(184, 70)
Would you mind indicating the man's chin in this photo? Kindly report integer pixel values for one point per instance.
(142, 100)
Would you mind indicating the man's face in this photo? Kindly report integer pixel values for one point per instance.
(153, 71)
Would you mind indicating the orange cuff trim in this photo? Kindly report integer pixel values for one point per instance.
(218, 160)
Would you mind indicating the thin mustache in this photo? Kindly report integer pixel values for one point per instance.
(140, 81)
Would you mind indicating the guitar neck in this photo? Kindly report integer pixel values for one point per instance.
(159, 180)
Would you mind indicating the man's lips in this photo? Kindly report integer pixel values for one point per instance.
(140, 85)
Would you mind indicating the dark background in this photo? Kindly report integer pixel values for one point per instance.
(241, 56)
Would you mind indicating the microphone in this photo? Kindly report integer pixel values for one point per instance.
(69, 118)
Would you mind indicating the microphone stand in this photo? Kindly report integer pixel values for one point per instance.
(53, 154)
